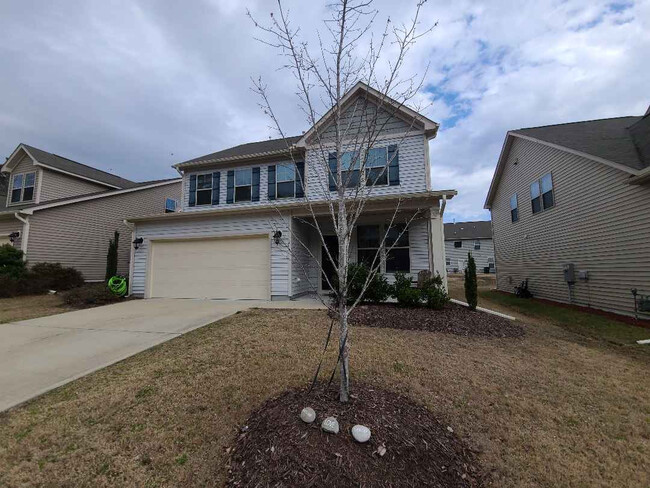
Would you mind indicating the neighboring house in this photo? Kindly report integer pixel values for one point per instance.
(245, 217)
(575, 195)
(464, 237)
(60, 211)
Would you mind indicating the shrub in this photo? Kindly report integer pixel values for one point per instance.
(53, 276)
(11, 261)
(111, 256)
(378, 289)
(471, 286)
(89, 295)
(434, 293)
(406, 295)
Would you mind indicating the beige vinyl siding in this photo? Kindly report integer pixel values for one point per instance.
(24, 166)
(599, 223)
(224, 226)
(481, 256)
(77, 234)
(9, 226)
(58, 185)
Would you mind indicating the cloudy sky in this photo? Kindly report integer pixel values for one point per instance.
(135, 86)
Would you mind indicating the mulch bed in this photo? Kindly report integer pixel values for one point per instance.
(453, 319)
(276, 448)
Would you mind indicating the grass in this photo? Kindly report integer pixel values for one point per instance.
(30, 307)
(550, 409)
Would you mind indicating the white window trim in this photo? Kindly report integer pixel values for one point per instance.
(22, 189)
(235, 185)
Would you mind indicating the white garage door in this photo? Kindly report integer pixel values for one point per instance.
(211, 268)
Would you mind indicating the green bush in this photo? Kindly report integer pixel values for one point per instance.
(53, 276)
(89, 295)
(434, 295)
(11, 261)
(471, 285)
(404, 293)
(378, 289)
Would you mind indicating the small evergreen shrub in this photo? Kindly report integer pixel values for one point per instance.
(404, 293)
(11, 261)
(90, 295)
(378, 289)
(434, 294)
(111, 256)
(53, 276)
(471, 285)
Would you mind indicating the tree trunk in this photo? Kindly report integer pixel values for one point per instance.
(344, 347)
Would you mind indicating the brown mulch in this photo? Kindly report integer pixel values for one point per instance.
(276, 448)
(453, 319)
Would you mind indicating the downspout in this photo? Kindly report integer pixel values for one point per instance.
(25, 234)
(131, 255)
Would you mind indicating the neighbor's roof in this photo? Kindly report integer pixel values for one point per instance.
(69, 166)
(605, 138)
(244, 151)
(481, 229)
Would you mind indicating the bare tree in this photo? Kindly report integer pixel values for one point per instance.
(347, 52)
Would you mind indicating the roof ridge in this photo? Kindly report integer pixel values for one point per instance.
(577, 122)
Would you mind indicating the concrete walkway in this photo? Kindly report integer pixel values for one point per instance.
(40, 354)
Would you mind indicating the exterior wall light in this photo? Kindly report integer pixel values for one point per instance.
(277, 237)
(13, 236)
(138, 242)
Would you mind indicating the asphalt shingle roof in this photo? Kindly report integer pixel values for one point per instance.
(248, 149)
(481, 229)
(609, 139)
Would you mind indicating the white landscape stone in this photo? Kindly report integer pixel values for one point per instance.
(308, 415)
(361, 433)
(331, 425)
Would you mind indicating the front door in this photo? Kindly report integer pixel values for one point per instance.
(329, 268)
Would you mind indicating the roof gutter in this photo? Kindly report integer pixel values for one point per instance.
(642, 178)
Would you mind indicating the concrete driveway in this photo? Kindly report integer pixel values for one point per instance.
(38, 355)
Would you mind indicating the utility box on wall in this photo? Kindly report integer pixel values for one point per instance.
(569, 273)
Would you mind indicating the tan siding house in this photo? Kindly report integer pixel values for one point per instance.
(599, 220)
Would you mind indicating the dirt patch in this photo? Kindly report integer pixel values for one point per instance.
(453, 319)
(276, 448)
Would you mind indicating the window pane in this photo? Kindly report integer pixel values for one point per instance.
(393, 236)
(477, 245)
(285, 172)
(15, 195)
(377, 157)
(204, 181)
(367, 256)
(548, 199)
(350, 178)
(350, 160)
(537, 205)
(204, 197)
(170, 204)
(398, 260)
(458, 243)
(534, 190)
(18, 181)
(28, 194)
(513, 201)
(285, 189)
(243, 194)
(377, 176)
(243, 177)
(368, 236)
(547, 183)
(29, 179)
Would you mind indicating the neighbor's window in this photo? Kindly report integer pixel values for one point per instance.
(170, 205)
(541, 193)
(368, 240)
(448, 261)
(22, 188)
(491, 263)
(376, 166)
(243, 185)
(397, 258)
(477, 245)
(514, 210)
(285, 180)
(204, 189)
(350, 166)
(458, 243)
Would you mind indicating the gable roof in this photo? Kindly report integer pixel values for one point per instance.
(481, 229)
(605, 141)
(68, 166)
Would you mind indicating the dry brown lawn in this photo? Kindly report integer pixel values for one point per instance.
(30, 307)
(550, 409)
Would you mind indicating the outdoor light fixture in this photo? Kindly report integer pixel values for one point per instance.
(138, 242)
(277, 236)
(13, 236)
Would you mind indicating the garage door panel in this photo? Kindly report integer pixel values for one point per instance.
(211, 268)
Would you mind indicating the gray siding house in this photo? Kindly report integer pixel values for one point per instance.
(570, 208)
(465, 237)
(60, 211)
(246, 228)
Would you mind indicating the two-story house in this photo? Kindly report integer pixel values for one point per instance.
(246, 229)
(570, 208)
(462, 238)
(60, 211)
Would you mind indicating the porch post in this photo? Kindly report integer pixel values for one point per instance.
(437, 244)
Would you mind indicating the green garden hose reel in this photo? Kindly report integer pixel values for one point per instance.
(118, 286)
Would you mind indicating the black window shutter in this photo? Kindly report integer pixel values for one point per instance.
(192, 199)
(332, 171)
(216, 187)
(230, 186)
(300, 179)
(255, 189)
(271, 178)
(393, 166)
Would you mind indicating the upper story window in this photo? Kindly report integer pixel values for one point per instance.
(285, 175)
(477, 245)
(541, 194)
(381, 167)
(243, 184)
(514, 210)
(204, 189)
(376, 169)
(350, 167)
(22, 187)
(458, 243)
